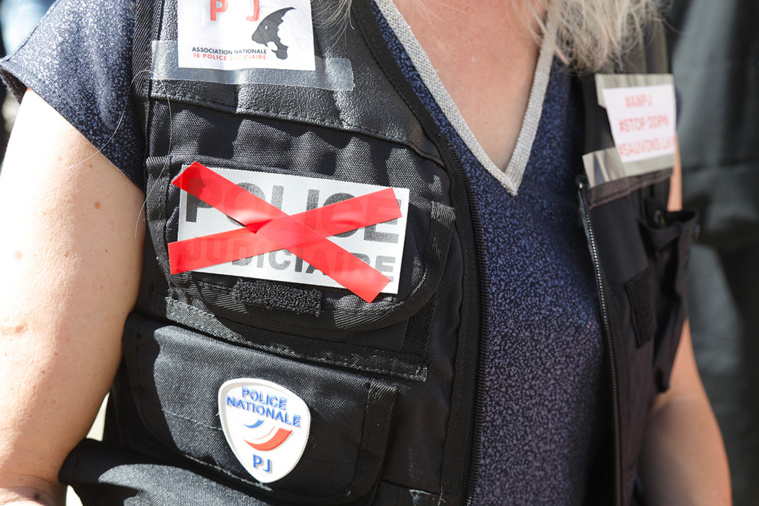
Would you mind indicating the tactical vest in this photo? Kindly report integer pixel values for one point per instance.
(393, 385)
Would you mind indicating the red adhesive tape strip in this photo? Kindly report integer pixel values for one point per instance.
(269, 229)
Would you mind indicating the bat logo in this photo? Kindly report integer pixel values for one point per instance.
(268, 30)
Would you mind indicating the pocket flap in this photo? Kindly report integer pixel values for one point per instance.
(176, 375)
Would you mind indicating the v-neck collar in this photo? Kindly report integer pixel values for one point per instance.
(510, 178)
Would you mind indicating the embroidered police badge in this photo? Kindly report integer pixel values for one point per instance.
(265, 424)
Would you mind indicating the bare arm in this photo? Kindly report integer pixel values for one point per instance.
(683, 461)
(70, 254)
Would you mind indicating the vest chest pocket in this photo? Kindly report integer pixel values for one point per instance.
(644, 251)
(253, 301)
(340, 124)
(360, 367)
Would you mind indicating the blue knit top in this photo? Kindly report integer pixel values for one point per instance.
(543, 406)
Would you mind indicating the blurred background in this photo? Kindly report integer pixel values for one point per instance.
(714, 49)
(17, 19)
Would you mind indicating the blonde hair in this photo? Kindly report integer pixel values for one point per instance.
(589, 33)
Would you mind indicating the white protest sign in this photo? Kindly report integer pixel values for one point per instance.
(642, 120)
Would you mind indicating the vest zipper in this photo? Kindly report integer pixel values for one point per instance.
(582, 184)
(484, 336)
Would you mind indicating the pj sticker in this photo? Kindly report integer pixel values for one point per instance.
(245, 34)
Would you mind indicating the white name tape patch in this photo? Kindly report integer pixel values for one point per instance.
(642, 120)
(265, 424)
(313, 201)
(245, 34)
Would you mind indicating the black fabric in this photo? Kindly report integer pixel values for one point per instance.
(272, 295)
(627, 245)
(385, 116)
(169, 368)
(106, 475)
(715, 49)
(641, 292)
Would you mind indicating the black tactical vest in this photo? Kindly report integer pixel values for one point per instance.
(393, 385)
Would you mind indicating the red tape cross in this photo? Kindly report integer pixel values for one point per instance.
(269, 229)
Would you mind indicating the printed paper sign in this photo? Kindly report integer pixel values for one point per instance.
(244, 34)
(304, 230)
(642, 120)
(265, 424)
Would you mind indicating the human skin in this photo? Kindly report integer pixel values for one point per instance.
(71, 255)
(485, 54)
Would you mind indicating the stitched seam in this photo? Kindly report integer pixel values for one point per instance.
(359, 455)
(631, 289)
(293, 115)
(418, 373)
(182, 417)
(433, 239)
(642, 182)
